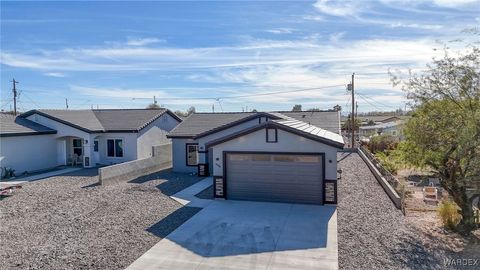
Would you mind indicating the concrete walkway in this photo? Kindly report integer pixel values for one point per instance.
(187, 196)
(21, 180)
(245, 235)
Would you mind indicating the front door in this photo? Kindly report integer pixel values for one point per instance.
(95, 156)
(61, 152)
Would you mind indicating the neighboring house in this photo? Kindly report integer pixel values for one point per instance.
(23, 144)
(366, 120)
(92, 137)
(262, 156)
(389, 128)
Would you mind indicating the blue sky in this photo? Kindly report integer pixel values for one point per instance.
(121, 54)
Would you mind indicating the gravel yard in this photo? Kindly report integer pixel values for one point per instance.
(68, 222)
(372, 233)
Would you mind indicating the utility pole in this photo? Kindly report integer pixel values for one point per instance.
(154, 100)
(14, 90)
(66, 103)
(356, 109)
(353, 110)
(213, 108)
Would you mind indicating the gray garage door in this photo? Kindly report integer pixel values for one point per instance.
(274, 177)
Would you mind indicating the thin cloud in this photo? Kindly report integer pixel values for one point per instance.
(55, 74)
(417, 26)
(281, 31)
(337, 8)
(143, 41)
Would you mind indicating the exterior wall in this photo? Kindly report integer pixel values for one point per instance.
(202, 141)
(203, 158)
(154, 134)
(179, 146)
(64, 132)
(62, 129)
(28, 153)
(128, 171)
(287, 142)
(129, 147)
(179, 157)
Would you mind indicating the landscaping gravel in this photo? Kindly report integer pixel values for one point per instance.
(372, 233)
(69, 222)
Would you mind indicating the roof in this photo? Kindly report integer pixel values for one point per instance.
(374, 118)
(383, 125)
(17, 126)
(104, 120)
(328, 120)
(290, 125)
(201, 124)
(312, 130)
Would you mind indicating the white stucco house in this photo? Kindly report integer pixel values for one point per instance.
(42, 139)
(277, 156)
(394, 128)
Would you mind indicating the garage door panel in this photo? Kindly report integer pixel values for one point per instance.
(275, 177)
(292, 173)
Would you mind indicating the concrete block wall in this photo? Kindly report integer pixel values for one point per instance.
(124, 172)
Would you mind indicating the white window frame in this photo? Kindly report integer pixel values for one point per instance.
(187, 152)
(114, 149)
(97, 143)
(77, 147)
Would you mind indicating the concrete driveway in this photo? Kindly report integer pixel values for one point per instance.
(249, 235)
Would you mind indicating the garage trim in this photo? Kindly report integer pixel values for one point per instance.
(271, 124)
(225, 178)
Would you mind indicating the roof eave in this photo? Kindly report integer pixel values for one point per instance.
(33, 133)
(234, 123)
(32, 112)
(274, 125)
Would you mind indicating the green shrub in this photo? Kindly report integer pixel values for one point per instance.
(382, 143)
(448, 212)
(389, 163)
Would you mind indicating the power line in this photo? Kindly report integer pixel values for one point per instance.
(377, 102)
(371, 104)
(38, 106)
(250, 95)
(7, 103)
(207, 98)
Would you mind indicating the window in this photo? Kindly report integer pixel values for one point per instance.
(284, 158)
(192, 154)
(114, 147)
(77, 147)
(272, 135)
(95, 146)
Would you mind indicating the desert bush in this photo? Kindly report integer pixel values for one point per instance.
(448, 213)
(382, 143)
(388, 162)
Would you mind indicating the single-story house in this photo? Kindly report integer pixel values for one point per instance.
(389, 128)
(375, 119)
(275, 156)
(42, 139)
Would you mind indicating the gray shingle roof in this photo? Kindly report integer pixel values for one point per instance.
(107, 120)
(17, 126)
(198, 124)
(328, 120)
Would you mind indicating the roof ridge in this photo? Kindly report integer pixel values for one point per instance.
(328, 110)
(221, 112)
